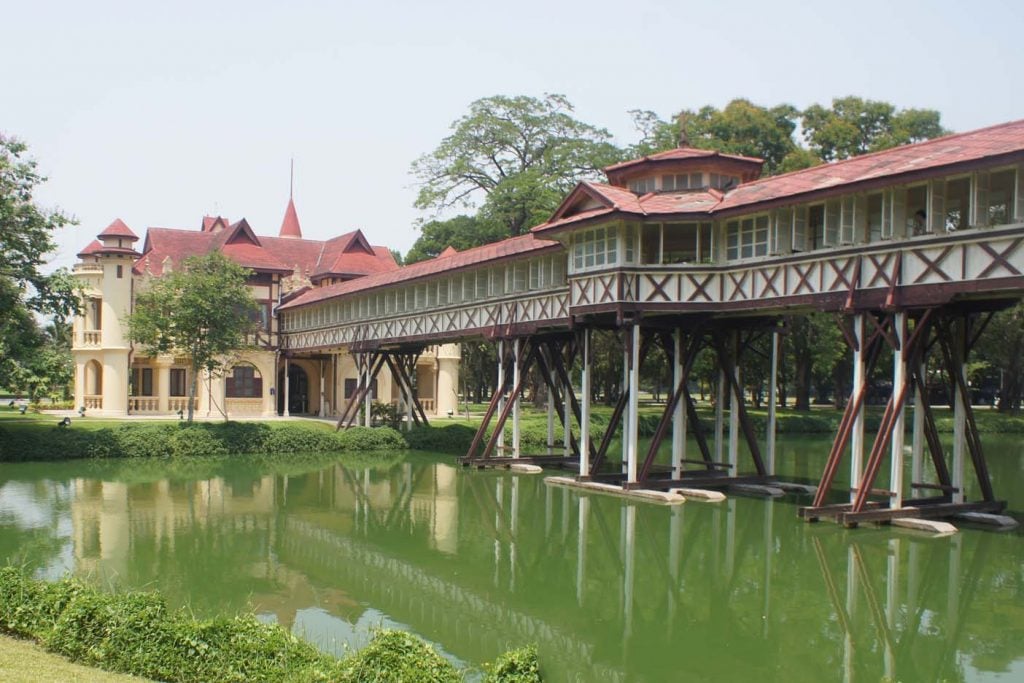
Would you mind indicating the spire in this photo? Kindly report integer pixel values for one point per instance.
(290, 225)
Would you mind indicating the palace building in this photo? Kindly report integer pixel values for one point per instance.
(115, 377)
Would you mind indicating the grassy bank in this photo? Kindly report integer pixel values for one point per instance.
(135, 633)
(37, 437)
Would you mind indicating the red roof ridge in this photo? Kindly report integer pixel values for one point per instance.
(680, 153)
(118, 229)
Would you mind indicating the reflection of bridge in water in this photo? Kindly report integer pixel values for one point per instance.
(607, 588)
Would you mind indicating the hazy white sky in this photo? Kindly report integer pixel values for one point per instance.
(161, 113)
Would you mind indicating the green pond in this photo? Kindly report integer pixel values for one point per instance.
(477, 562)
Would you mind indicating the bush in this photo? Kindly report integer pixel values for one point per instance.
(296, 439)
(144, 441)
(195, 441)
(135, 633)
(515, 666)
(370, 439)
(399, 657)
(453, 438)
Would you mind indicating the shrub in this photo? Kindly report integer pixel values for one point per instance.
(399, 657)
(370, 439)
(240, 437)
(195, 441)
(144, 441)
(449, 438)
(296, 439)
(515, 666)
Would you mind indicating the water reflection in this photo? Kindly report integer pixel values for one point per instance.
(612, 590)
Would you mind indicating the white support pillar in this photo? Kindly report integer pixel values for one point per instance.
(892, 604)
(679, 414)
(719, 416)
(287, 388)
(585, 407)
(773, 386)
(625, 412)
(323, 401)
(629, 575)
(501, 392)
(516, 377)
(917, 446)
(634, 403)
(899, 380)
(857, 435)
(852, 587)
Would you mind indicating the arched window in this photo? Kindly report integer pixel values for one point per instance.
(244, 382)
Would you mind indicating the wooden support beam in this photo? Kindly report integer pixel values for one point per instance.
(496, 399)
(728, 364)
(509, 406)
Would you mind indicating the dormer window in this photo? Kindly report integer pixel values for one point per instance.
(722, 182)
(682, 181)
(641, 186)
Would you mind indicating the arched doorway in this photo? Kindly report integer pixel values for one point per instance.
(298, 391)
(93, 378)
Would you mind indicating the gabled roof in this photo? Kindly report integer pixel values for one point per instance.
(961, 151)
(352, 255)
(118, 229)
(497, 251)
(290, 228)
(448, 251)
(214, 223)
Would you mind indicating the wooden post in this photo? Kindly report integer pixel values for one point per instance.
(679, 414)
(585, 408)
(735, 396)
(368, 395)
(899, 381)
(551, 422)
(917, 445)
(567, 422)
(772, 400)
(960, 399)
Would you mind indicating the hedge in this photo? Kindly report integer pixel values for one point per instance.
(136, 633)
(130, 440)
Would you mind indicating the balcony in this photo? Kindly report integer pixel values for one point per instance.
(143, 404)
(90, 339)
(94, 402)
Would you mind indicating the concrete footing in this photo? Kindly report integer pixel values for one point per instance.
(1003, 522)
(932, 526)
(705, 495)
(662, 497)
(525, 468)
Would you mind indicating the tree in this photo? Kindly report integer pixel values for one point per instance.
(514, 158)
(460, 232)
(202, 311)
(1000, 345)
(856, 126)
(741, 128)
(26, 238)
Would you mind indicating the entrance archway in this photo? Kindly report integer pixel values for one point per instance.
(298, 390)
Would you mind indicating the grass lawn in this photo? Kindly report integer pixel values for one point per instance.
(22, 661)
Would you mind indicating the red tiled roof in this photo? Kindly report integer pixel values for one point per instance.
(91, 248)
(994, 141)
(887, 166)
(290, 225)
(510, 248)
(210, 223)
(448, 251)
(118, 229)
(681, 153)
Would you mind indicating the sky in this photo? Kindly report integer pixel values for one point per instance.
(161, 113)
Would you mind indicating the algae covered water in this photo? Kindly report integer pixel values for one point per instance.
(477, 562)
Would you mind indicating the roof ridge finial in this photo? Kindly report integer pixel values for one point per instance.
(684, 140)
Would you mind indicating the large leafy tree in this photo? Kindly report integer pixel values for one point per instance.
(461, 232)
(513, 158)
(855, 126)
(203, 311)
(26, 240)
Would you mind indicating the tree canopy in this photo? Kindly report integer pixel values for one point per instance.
(513, 158)
(202, 311)
(27, 359)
